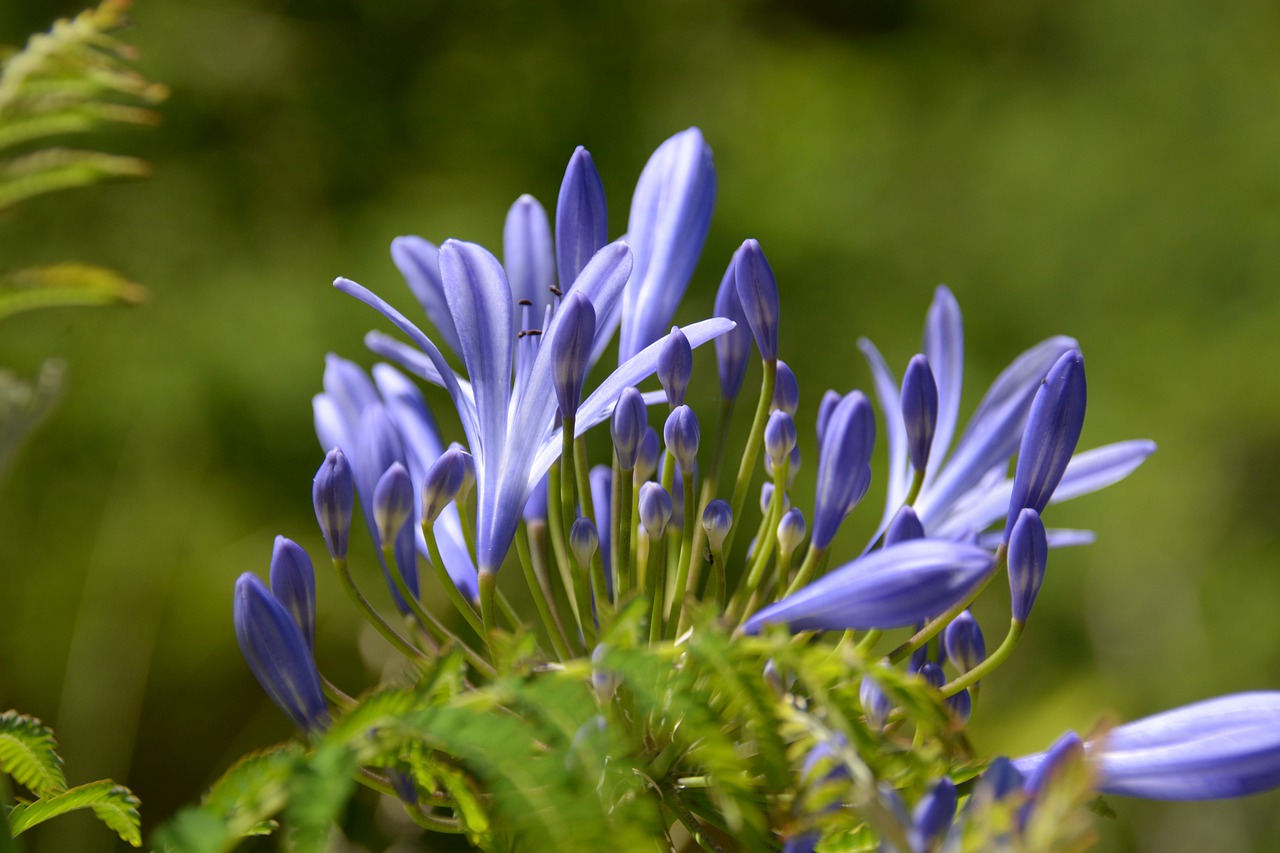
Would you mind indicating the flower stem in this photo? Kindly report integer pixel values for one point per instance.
(427, 620)
(450, 588)
(933, 626)
(543, 601)
(999, 656)
(683, 562)
(391, 635)
(752, 449)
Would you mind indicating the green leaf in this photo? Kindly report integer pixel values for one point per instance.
(317, 792)
(27, 753)
(62, 168)
(114, 805)
(66, 284)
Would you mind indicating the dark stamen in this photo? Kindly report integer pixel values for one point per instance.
(555, 290)
(524, 302)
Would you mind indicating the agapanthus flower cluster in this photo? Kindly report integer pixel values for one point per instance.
(667, 526)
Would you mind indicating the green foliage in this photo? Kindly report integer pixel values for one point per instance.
(28, 754)
(646, 748)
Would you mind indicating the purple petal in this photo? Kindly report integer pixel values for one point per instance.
(944, 347)
(582, 218)
(419, 262)
(527, 256)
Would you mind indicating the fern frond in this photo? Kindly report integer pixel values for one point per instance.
(28, 753)
(53, 169)
(66, 284)
(115, 805)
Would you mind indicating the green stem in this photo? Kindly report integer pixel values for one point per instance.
(391, 635)
(683, 563)
(428, 621)
(451, 590)
(710, 483)
(656, 584)
(468, 529)
(807, 568)
(435, 823)
(999, 656)
(624, 567)
(488, 580)
(542, 600)
(933, 626)
(746, 596)
(538, 556)
(559, 546)
(751, 451)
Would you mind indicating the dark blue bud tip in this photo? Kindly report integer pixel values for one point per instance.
(717, 518)
(333, 496)
(675, 366)
(758, 294)
(919, 410)
(655, 508)
(786, 390)
(392, 502)
(627, 428)
(293, 583)
(571, 350)
(277, 653)
(964, 642)
(682, 435)
(1027, 557)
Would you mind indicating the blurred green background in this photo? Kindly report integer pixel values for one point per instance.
(1104, 169)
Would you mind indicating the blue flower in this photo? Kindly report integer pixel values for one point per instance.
(966, 491)
(1215, 749)
(889, 588)
(277, 653)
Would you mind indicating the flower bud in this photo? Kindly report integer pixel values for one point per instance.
(964, 643)
(830, 399)
(442, 483)
(791, 530)
(1028, 555)
(293, 584)
(961, 705)
(933, 814)
(392, 502)
(733, 347)
(1053, 428)
(468, 472)
(779, 438)
(717, 518)
(582, 217)
(786, 390)
(655, 509)
(675, 366)
(647, 455)
(875, 704)
(758, 293)
(766, 498)
(933, 675)
(844, 470)
(333, 493)
(583, 540)
(627, 427)
(575, 332)
(277, 653)
(919, 410)
(904, 527)
(682, 435)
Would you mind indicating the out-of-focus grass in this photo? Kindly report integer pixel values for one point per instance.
(1105, 170)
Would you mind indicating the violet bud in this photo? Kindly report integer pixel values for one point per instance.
(717, 518)
(786, 390)
(766, 498)
(830, 399)
(647, 455)
(392, 502)
(904, 527)
(468, 472)
(933, 675)
(919, 410)
(779, 438)
(733, 348)
(582, 217)
(627, 427)
(442, 483)
(682, 434)
(583, 540)
(961, 705)
(1053, 428)
(333, 493)
(791, 530)
(277, 653)
(675, 366)
(758, 293)
(293, 584)
(1028, 554)
(964, 643)
(933, 814)
(571, 350)
(1068, 749)
(875, 704)
(655, 509)
(844, 470)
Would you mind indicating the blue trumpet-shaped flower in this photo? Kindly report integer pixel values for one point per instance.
(966, 491)
(511, 427)
(895, 586)
(277, 653)
(1215, 749)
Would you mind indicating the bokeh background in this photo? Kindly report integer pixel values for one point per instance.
(1104, 169)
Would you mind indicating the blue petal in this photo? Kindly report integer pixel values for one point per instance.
(417, 363)
(419, 262)
(995, 429)
(527, 256)
(277, 654)
(582, 218)
(895, 433)
(670, 215)
(890, 588)
(944, 347)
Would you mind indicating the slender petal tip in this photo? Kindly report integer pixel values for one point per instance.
(758, 294)
(333, 494)
(919, 410)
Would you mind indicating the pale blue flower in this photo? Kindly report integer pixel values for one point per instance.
(966, 491)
